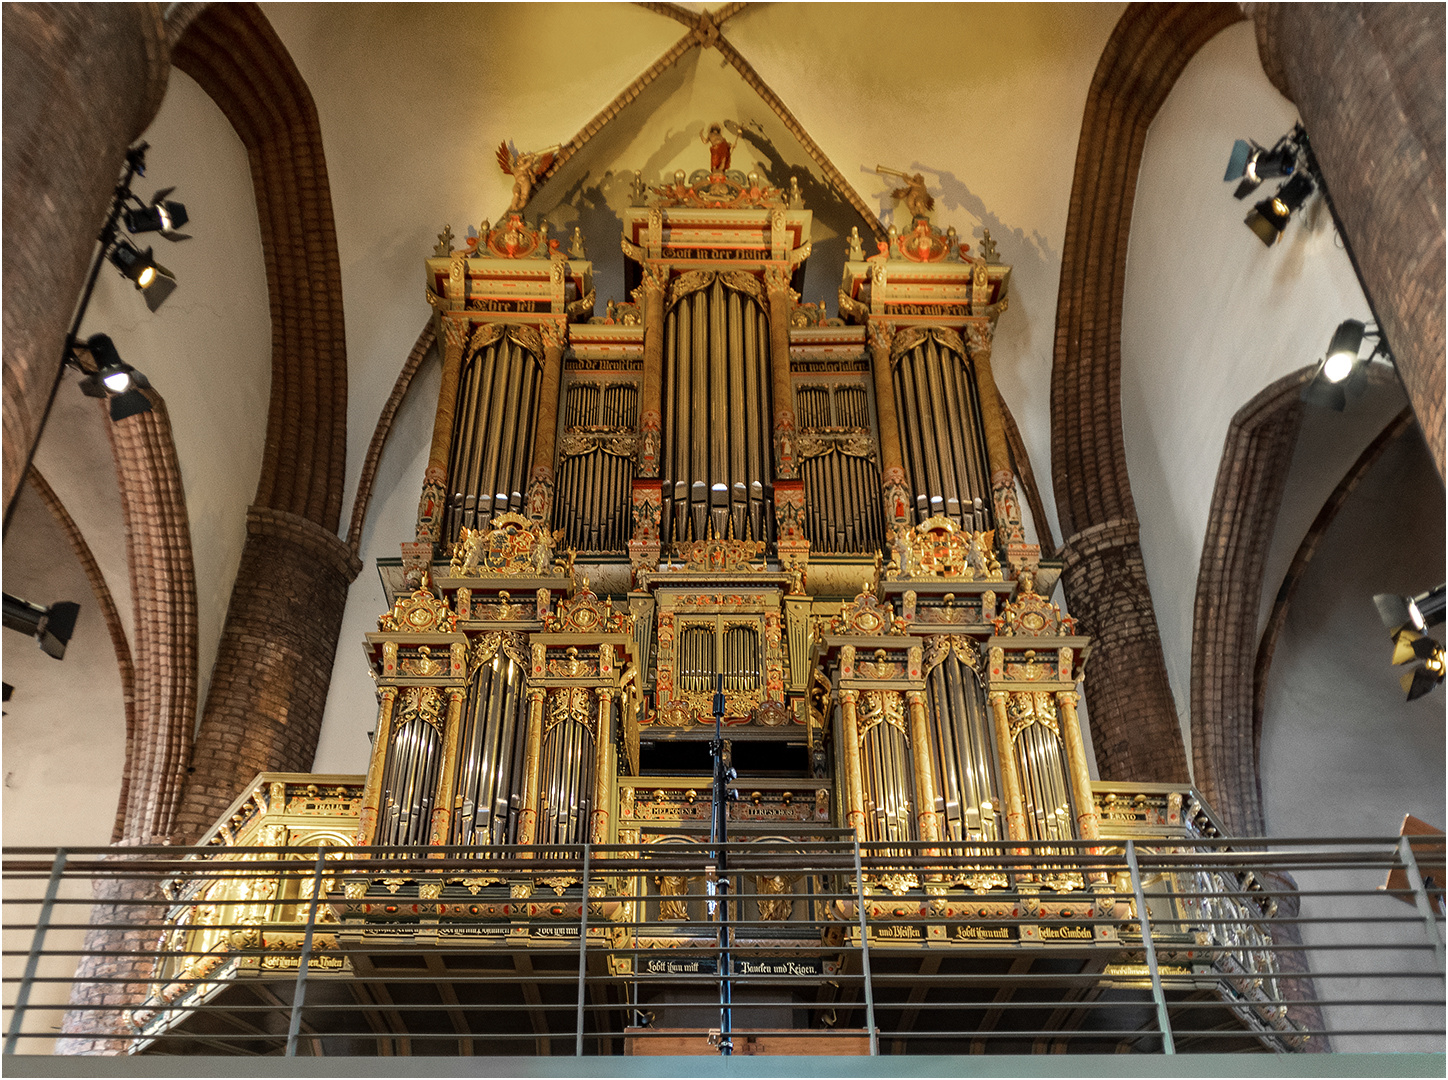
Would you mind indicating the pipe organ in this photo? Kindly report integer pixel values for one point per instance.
(712, 486)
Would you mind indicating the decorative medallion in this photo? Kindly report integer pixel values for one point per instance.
(420, 613)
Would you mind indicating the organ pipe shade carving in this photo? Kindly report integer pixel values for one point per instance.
(941, 435)
(597, 466)
(409, 783)
(566, 777)
(490, 758)
(841, 476)
(717, 462)
(963, 752)
(492, 435)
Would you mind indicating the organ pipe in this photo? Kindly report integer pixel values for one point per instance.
(493, 430)
(716, 458)
(944, 452)
(488, 754)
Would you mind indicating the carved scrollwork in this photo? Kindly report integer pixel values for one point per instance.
(882, 706)
(420, 703)
(620, 442)
(715, 554)
(1025, 709)
(852, 442)
(421, 612)
(912, 336)
(514, 545)
(937, 547)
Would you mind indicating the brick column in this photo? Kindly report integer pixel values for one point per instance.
(1368, 80)
(82, 81)
(264, 709)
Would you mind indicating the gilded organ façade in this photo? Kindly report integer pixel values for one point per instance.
(712, 496)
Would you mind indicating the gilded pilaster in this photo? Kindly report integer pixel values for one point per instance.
(603, 767)
(920, 742)
(434, 479)
(781, 301)
(447, 782)
(992, 418)
(854, 773)
(894, 492)
(532, 751)
(651, 401)
(1010, 776)
(1088, 821)
(545, 437)
(372, 790)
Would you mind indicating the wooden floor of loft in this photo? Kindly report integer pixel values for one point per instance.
(411, 1003)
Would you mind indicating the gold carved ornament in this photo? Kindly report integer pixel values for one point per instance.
(865, 614)
(713, 554)
(420, 613)
(569, 704)
(419, 703)
(583, 613)
(882, 706)
(937, 547)
(1032, 615)
(513, 546)
(1025, 709)
(511, 643)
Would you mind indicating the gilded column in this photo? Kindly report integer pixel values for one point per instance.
(434, 479)
(651, 394)
(992, 419)
(781, 302)
(854, 774)
(920, 742)
(372, 788)
(893, 489)
(1088, 821)
(1010, 777)
(447, 783)
(603, 767)
(532, 751)
(545, 435)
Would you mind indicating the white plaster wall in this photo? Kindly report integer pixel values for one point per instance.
(1210, 316)
(207, 350)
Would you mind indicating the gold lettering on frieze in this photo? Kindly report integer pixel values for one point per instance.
(731, 253)
(511, 306)
(926, 309)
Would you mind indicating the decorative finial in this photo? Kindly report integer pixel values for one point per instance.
(575, 250)
(857, 248)
(796, 197)
(444, 242)
(637, 190)
(987, 247)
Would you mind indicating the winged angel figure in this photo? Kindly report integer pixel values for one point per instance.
(524, 168)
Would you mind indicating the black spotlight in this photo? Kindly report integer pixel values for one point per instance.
(1342, 370)
(1251, 164)
(161, 216)
(153, 280)
(1408, 618)
(114, 379)
(1270, 216)
(51, 627)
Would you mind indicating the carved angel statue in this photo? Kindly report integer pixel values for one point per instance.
(720, 148)
(916, 199)
(524, 168)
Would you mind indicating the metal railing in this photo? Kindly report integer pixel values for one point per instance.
(833, 947)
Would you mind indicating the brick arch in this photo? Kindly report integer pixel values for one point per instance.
(1133, 715)
(1248, 493)
(274, 664)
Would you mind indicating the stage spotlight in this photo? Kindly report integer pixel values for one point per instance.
(1251, 164)
(1407, 618)
(1342, 371)
(1342, 351)
(51, 627)
(161, 216)
(152, 279)
(114, 379)
(1270, 216)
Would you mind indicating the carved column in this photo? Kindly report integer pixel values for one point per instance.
(893, 490)
(854, 775)
(545, 434)
(603, 767)
(532, 751)
(1088, 821)
(1010, 776)
(1002, 478)
(434, 479)
(447, 783)
(781, 300)
(372, 788)
(925, 816)
(644, 543)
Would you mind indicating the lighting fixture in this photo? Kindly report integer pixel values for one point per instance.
(1251, 164)
(1342, 370)
(1407, 618)
(115, 379)
(151, 279)
(160, 216)
(51, 627)
(1270, 216)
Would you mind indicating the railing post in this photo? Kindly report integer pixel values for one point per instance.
(865, 953)
(1168, 1044)
(299, 997)
(37, 943)
(582, 952)
(1420, 897)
